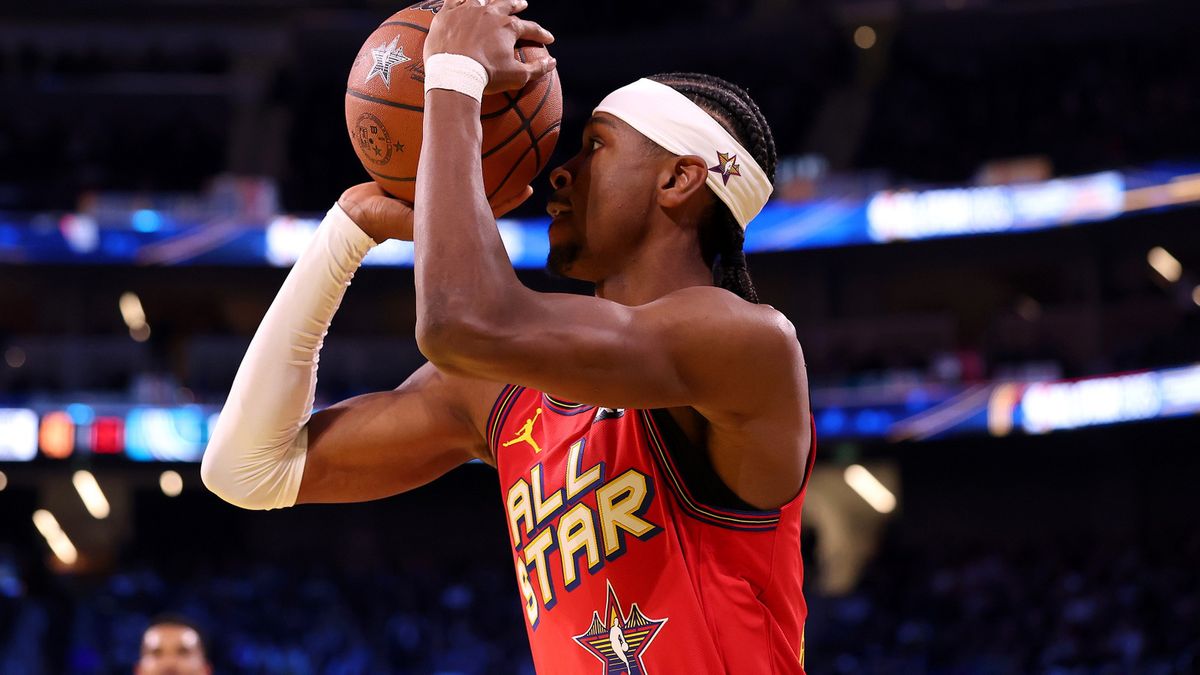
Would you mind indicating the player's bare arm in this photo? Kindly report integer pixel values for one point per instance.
(735, 363)
(383, 443)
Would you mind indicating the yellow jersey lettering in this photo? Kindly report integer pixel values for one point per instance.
(577, 483)
(621, 502)
(564, 524)
(576, 532)
(518, 510)
(531, 603)
(543, 508)
(535, 554)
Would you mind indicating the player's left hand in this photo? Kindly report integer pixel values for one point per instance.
(384, 217)
(487, 31)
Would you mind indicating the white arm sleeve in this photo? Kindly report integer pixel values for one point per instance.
(255, 458)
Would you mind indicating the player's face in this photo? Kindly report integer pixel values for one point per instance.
(172, 650)
(601, 200)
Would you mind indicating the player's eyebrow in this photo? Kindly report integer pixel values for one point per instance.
(596, 119)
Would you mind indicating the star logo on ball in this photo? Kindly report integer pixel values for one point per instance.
(726, 166)
(386, 57)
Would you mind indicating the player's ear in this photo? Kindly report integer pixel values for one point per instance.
(680, 179)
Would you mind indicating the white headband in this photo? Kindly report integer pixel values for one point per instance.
(679, 126)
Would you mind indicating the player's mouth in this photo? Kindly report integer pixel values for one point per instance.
(557, 209)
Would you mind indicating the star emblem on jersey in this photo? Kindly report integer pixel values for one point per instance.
(620, 639)
(386, 57)
(726, 166)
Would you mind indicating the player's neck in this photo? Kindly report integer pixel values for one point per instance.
(651, 274)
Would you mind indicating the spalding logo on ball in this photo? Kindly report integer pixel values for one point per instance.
(385, 101)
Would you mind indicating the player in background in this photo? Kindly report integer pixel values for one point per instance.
(172, 645)
(654, 507)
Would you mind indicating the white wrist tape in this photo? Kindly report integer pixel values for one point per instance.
(456, 73)
(255, 458)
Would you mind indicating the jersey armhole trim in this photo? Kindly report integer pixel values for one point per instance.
(732, 519)
(498, 415)
(811, 461)
(562, 407)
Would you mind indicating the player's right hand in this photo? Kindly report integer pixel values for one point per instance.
(384, 217)
(377, 213)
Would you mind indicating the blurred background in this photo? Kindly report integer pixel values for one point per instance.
(984, 230)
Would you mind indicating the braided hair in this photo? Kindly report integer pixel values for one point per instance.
(721, 237)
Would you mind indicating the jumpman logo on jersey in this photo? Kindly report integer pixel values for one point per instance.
(525, 435)
(620, 640)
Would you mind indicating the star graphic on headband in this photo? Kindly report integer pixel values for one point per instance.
(386, 57)
(726, 166)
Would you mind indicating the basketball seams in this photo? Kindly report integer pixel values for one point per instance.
(383, 101)
(423, 29)
(534, 146)
(552, 127)
(537, 150)
(524, 124)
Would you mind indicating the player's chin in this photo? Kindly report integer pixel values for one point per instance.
(562, 259)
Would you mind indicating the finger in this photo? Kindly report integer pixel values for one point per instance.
(531, 30)
(512, 6)
(537, 69)
(508, 205)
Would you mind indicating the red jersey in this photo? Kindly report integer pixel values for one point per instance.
(622, 566)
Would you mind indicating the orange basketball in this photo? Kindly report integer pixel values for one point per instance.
(385, 98)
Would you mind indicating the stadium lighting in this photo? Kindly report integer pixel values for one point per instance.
(15, 357)
(864, 37)
(140, 333)
(870, 489)
(60, 544)
(1165, 264)
(134, 316)
(1029, 309)
(131, 310)
(3, 481)
(171, 483)
(91, 494)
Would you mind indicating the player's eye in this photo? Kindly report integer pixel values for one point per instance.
(594, 143)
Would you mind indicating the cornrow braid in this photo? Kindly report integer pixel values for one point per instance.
(721, 237)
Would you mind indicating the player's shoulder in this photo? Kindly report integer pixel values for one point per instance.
(467, 398)
(725, 310)
(746, 355)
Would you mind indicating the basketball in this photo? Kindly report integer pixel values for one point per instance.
(385, 100)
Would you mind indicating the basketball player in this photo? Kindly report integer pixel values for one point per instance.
(652, 442)
(171, 645)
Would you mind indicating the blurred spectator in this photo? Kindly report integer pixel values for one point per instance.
(172, 645)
